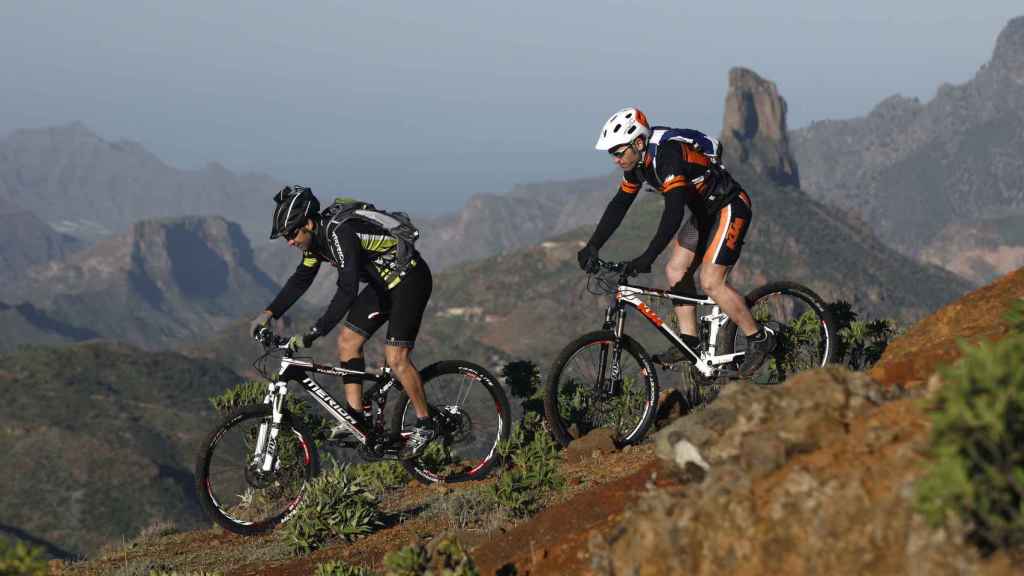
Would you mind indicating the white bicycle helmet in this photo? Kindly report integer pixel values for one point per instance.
(622, 128)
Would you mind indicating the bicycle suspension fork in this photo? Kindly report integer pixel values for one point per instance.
(614, 320)
(266, 441)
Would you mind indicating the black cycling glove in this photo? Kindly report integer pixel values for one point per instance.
(641, 265)
(587, 257)
(303, 340)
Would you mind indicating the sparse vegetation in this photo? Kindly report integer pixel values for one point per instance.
(534, 472)
(978, 468)
(379, 477)
(157, 529)
(20, 559)
(861, 343)
(1015, 316)
(337, 505)
(472, 509)
(253, 392)
(339, 568)
(445, 557)
(176, 573)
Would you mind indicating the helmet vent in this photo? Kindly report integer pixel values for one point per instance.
(631, 130)
(617, 128)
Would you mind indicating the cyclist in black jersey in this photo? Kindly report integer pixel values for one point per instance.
(361, 251)
(685, 166)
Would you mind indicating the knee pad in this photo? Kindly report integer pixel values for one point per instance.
(353, 364)
(685, 287)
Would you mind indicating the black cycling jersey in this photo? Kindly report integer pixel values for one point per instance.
(360, 250)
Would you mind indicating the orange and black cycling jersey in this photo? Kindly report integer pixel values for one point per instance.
(679, 163)
(672, 165)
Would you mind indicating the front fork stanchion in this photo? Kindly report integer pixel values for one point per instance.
(618, 317)
(268, 453)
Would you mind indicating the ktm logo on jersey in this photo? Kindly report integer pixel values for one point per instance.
(735, 230)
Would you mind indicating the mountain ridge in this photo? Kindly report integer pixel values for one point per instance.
(913, 169)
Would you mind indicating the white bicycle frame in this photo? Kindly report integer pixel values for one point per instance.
(707, 361)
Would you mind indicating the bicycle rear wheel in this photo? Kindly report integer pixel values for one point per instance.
(471, 416)
(806, 335)
(231, 487)
(582, 393)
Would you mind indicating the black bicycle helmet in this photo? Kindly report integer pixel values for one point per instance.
(295, 204)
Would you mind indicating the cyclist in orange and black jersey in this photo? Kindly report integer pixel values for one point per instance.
(684, 166)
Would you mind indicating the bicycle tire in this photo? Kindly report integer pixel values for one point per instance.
(801, 318)
(472, 416)
(558, 413)
(232, 493)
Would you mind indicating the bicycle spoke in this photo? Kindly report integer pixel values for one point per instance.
(470, 417)
(240, 495)
(586, 402)
(802, 336)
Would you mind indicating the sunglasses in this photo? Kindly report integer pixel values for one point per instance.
(289, 236)
(620, 152)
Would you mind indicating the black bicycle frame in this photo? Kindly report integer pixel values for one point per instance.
(300, 371)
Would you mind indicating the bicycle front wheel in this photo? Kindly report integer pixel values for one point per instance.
(585, 392)
(232, 487)
(471, 415)
(806, 335)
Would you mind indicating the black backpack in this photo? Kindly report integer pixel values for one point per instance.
(397, 224)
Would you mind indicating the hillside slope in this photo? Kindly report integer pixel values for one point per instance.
(99, 441)
(816, 476)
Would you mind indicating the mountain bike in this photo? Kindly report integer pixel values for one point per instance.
(606, 379)
(253, 468)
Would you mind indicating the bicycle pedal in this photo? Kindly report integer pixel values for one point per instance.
(386, 450)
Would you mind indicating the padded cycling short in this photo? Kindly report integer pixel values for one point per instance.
(718, 238)
(401, 307)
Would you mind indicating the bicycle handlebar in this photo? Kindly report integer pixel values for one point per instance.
(268, 339)
(618, 267)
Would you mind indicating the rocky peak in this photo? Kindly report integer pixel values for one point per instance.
(199, 257)
(1008, 55)
(754, 128)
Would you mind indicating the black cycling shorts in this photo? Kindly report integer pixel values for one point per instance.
(718, 238)
(401, 307)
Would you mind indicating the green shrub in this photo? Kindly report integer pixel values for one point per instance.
(445, 557)
(524, 382)
(860, 343)
(243, 394)
(379, 477)
(336, 506)
(976, 440)
(339, 568)
(21, 559)
(535, 469)
(1015, 316)
(253, 392)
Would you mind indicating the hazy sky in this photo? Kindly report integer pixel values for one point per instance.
(421, 104)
